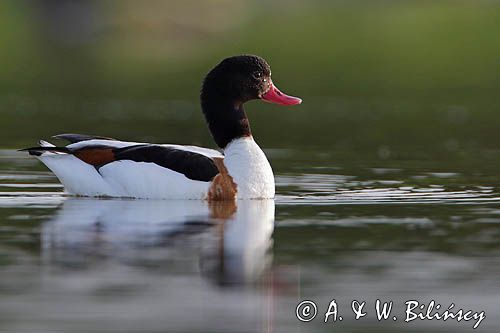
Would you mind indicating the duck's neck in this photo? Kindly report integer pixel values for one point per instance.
(226, 119)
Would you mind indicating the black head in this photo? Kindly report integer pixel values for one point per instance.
(228, 86)
(240, 78)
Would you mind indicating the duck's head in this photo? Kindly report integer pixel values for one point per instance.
(228, 86)
(244, 78)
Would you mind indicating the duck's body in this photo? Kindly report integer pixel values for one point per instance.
(97, 166)
(250, 173)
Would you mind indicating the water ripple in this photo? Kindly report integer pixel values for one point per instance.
(321, 189)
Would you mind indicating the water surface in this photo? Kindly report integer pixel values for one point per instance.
(374, 229)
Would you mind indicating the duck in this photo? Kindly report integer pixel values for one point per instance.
(97, 166)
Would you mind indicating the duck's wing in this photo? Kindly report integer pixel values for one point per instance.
(195, 163)
(83, 140)
(191, 164)
(73, 138)
(212, 153)
(121, 144)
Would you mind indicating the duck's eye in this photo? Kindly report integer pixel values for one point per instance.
(257, 75)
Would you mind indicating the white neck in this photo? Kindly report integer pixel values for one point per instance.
(250, 169)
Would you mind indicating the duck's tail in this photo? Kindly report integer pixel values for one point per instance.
(45, 147)
(77, 176)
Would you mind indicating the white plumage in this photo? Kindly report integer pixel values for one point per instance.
(250, 169)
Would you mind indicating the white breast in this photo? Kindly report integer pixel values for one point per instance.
(248, 166)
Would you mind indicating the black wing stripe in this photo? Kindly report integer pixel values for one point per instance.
(73, 138)
(38, 151)
(193, 165)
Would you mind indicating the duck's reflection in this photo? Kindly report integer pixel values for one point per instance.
(230, 240)
(242, 242)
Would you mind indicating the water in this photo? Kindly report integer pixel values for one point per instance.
(387, 175)
(363, 229)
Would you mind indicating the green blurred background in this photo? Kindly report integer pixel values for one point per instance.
(384, 79)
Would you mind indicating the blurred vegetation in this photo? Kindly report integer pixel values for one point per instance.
(383, 77)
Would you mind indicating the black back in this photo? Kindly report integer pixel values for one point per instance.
(193, 165)
(73, 138)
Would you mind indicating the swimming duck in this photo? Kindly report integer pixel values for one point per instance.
(101, 166)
